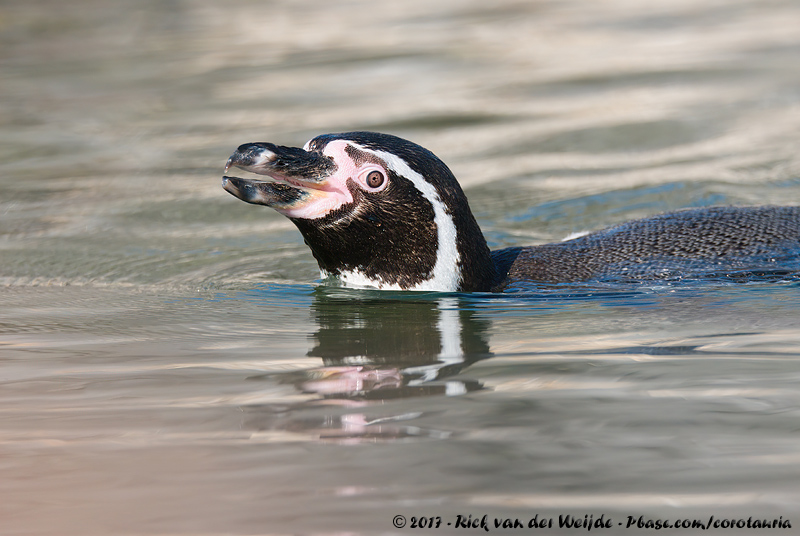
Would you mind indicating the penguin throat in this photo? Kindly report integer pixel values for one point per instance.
(368, 247)
(356, 278)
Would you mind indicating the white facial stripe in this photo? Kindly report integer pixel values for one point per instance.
(345, 167)
(446, 272)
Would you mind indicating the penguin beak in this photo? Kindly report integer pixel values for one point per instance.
(295, 177)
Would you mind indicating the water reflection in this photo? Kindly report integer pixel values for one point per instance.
(377, 347)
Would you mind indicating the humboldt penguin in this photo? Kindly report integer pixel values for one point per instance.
(383, 212)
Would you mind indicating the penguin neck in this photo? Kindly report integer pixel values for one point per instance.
(467, 267)
(478, 271)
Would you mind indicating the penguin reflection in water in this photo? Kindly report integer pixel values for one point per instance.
(376, 348)
(379, 211)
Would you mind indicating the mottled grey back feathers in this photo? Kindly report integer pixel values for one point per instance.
(673, 244)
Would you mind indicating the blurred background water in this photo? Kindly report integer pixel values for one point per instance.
(169, 363)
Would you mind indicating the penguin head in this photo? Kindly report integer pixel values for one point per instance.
(376, 210)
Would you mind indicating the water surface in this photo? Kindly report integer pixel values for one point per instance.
(171, 364)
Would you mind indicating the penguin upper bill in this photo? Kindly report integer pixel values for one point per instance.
(303, 184)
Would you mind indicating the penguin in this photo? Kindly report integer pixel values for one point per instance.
(383, 212)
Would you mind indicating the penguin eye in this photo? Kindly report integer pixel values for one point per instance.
(374, 179)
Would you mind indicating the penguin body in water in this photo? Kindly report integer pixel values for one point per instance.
(380, 211)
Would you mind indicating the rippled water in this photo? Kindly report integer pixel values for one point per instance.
(169, 363)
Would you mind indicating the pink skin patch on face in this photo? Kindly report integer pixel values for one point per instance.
(333, 193)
